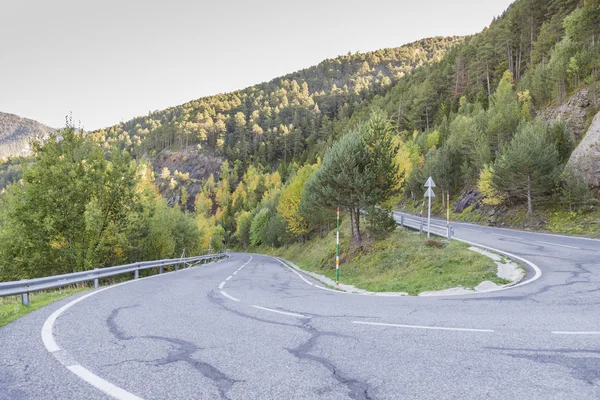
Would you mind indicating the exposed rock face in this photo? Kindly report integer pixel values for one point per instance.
(574, 111)
(586, 157)
(15, 133)
(199, 166)
(465, 200)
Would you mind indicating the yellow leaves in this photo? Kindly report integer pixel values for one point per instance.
(289, 202)
(58, 243)
(491, 196)
(402, 160)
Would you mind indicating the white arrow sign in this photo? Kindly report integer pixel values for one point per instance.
(430, 183)
(429, 193)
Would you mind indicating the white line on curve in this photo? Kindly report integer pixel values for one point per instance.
(559, 245)
(438, 328)
(307, 281)
(281, 312)
(80, 371)
(538, 271)
(102, 384)
(229, 296)
(221, 285)
(575, 333)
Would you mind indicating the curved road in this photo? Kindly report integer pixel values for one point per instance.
(249, 327)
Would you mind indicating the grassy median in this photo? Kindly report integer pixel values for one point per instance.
(12, 309)
(403, 261)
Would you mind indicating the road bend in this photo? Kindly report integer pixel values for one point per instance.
(249, 327)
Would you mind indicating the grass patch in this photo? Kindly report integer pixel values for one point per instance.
(404, 261)
(12, 309)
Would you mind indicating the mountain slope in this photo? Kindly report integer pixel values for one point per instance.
(291, 117)
(15, 133)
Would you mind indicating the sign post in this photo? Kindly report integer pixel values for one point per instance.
(337, 250)
(429, 193)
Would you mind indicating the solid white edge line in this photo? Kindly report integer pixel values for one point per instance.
(229, 296)
(281, 312)
(575, 333)
(538, 271)
(437, 328)
(307, 281)
(559, 245)
(82, 372)
(101, 384)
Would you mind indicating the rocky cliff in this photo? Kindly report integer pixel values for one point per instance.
(586, 157)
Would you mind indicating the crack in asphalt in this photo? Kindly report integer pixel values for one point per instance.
(180, 351)
(357, 389)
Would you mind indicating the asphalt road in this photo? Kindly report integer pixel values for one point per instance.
(251, 328)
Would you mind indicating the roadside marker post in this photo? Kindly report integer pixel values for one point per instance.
(429, 193)
(337, 250)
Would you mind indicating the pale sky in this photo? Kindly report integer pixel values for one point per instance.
(111, 60)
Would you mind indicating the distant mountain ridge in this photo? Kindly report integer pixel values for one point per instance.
(15, 133)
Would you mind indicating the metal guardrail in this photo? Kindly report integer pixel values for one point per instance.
(26, 286)
(421, 225)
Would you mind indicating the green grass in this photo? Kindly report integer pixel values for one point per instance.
(400, 262)
(12, 309)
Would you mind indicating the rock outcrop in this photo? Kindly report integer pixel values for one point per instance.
(198, 164)
(465, 200)
(586, 158)
(574, 111)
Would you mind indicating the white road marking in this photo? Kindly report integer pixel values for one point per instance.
(229, 277)
(506, 236)
(559, 245)
(281, 312)
(228, 296)
(221, 285)
(235, 272)
(575, 333)
(101, 384)
(469, 229)
(439, 328)
(307, 281)
(538, 271)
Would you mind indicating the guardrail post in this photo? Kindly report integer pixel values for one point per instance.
(402, 221)
(96, 283)
(136, 274)
(25, 299)
(160, 269)
(421, 227)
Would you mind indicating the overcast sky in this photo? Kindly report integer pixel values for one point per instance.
(113, 60)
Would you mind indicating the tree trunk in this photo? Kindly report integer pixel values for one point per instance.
(529, 204)
(352, 221)
(357, 222)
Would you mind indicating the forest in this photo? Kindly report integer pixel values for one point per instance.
(361, 131)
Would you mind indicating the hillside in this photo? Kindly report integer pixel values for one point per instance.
(15, 133)
(292, 117)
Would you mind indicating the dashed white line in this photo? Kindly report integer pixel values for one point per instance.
(228, 296)
(575, 333)
(469, 229)
(221, 285)
(281, 312)
(229, 277)
(506, 236)
(559, 245)
(438, 328)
